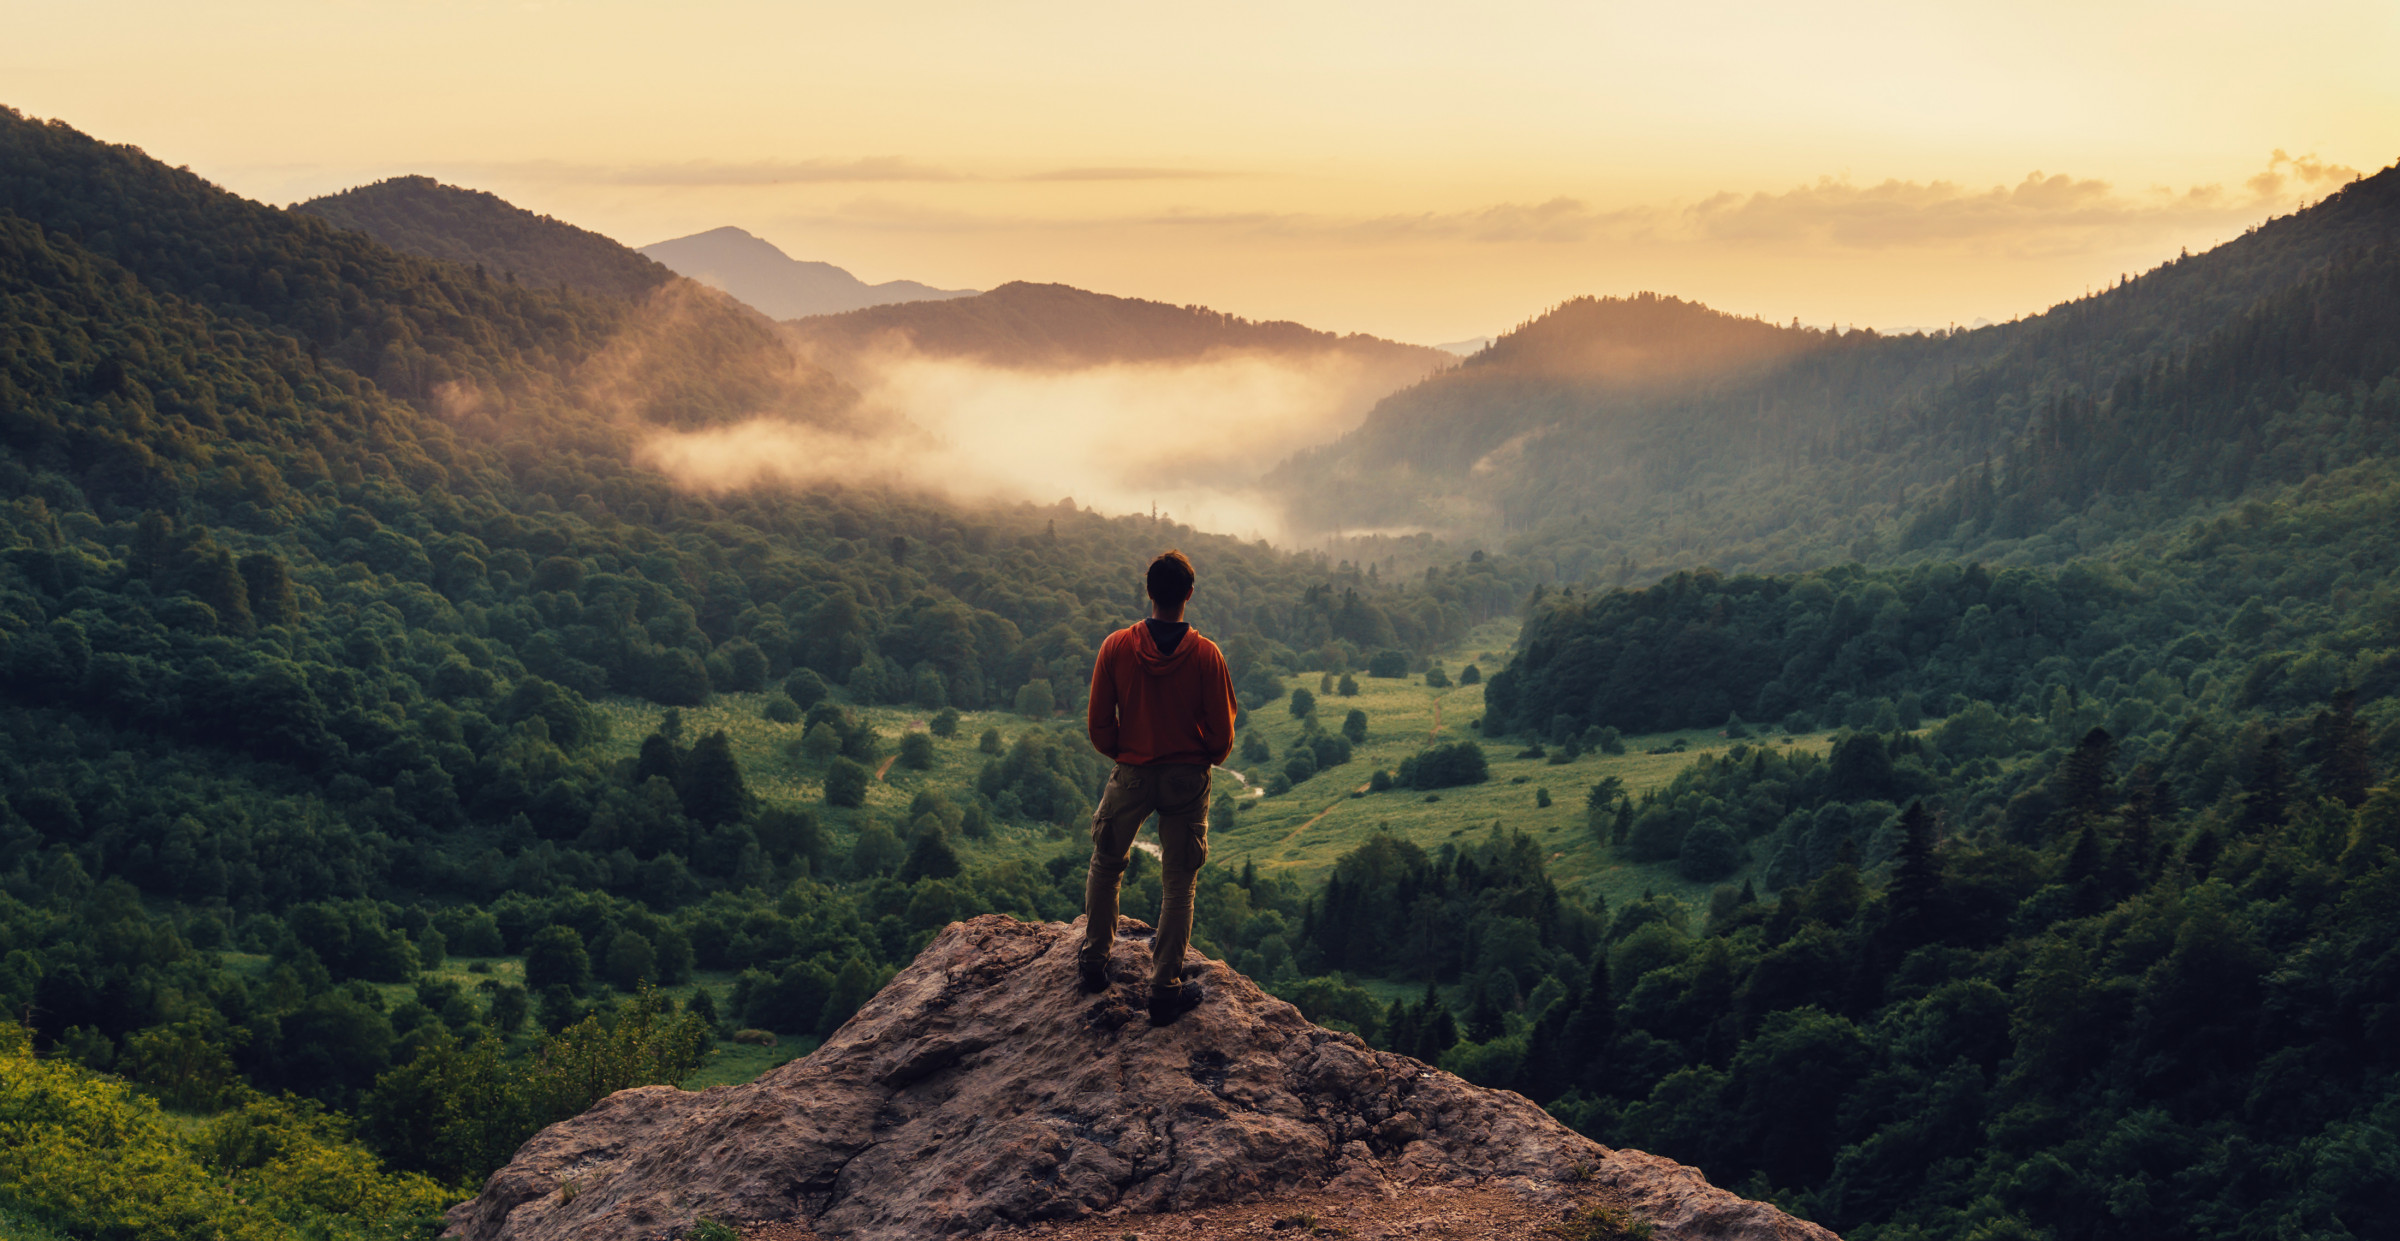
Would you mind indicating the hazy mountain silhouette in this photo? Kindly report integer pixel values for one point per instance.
(1056, 326)
(777, 284)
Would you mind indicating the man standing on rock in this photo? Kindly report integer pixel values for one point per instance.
(1162, 707)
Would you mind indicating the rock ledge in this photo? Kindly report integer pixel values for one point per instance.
(980, 1092)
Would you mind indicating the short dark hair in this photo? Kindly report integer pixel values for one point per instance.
(1171, 577)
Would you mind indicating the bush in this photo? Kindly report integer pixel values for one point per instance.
(1541, 798)
(806, 688)
(916, 751)
(1380, 781)
(1709, 852)
(88, 1149)
(1329, 749)
(1388, 663)
(945, 723)
(1255, 748)
(1354, 726)
(1443, 766)
(1303, 703)
(1300, 766)
(1035, 701)
(1470, 675)
(1611, 741)
(989, 742)
(1347, 687)
(555, 957)
(846, 783)
(1435, 678)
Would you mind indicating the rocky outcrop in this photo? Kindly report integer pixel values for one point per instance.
(981, 1091)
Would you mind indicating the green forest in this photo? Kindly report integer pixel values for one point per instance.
(393, 766)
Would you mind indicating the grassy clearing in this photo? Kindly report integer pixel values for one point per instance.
(1300, 833)
(1296, 835)
(779, 777)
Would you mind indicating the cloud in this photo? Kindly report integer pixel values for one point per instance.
(1126, 174)
(774, 172)
(2044, 213)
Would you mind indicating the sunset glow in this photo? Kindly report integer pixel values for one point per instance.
(1423, 171)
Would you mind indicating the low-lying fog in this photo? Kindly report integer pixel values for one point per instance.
(1190, 437)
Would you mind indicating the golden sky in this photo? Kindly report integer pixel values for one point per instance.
(1423, 171)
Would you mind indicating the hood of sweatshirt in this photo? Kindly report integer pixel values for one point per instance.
(1159, 663)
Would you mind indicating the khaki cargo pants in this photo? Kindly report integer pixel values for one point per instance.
(1178, 794)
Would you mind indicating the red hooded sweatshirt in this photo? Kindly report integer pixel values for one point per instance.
(1149, 708)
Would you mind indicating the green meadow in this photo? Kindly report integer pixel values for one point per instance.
(1297, 834)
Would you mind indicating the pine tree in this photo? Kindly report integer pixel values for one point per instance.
(2346, 771)
(1583, 1043)
(2084, 784)
(712, 791)
(1916, 888)
(658, 758)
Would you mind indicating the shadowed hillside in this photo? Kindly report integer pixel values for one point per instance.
(418, 215)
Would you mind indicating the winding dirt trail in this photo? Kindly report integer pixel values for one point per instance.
(888, 760)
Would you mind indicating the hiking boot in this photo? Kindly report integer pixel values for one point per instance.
(1167, 1005)
(1091, 974)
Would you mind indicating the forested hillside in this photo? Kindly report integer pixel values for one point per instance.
(418, 215)
(2263, 360)
(318, 563)
(377, 732)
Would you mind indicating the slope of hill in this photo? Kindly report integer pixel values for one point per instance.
(1824, 449)
(299, 662)
(776, 284)
(418, 215)
(491, 356)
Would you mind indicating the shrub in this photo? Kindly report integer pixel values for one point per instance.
(1435, 678)
(945, 723)
(1470, 675)
(1035, 700)
(916, 751)
(1354, 726)
(780, 709)
(1329, 749)
(1611, 741)
(1347, 687)
(1303, 703)
(1255, 748)
(1541, 798)
(989, 742)
(555, 957)
(1708, 852)
(1300, 766)
(846, 783)
(1388, 663)
(1380, 781)
(1443, 766)
(806, 688)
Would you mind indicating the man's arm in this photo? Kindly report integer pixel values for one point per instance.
(1216, 714)
(1100, 717)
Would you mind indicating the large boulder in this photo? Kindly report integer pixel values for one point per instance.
(982, 1091)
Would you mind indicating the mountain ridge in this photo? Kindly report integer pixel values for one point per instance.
(418, 215)
(777, 285)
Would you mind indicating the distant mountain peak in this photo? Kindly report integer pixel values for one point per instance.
(779, 286)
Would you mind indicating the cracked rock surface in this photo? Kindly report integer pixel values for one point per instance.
(981, 1091)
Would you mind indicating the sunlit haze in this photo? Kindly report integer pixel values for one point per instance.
(1426, 172)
